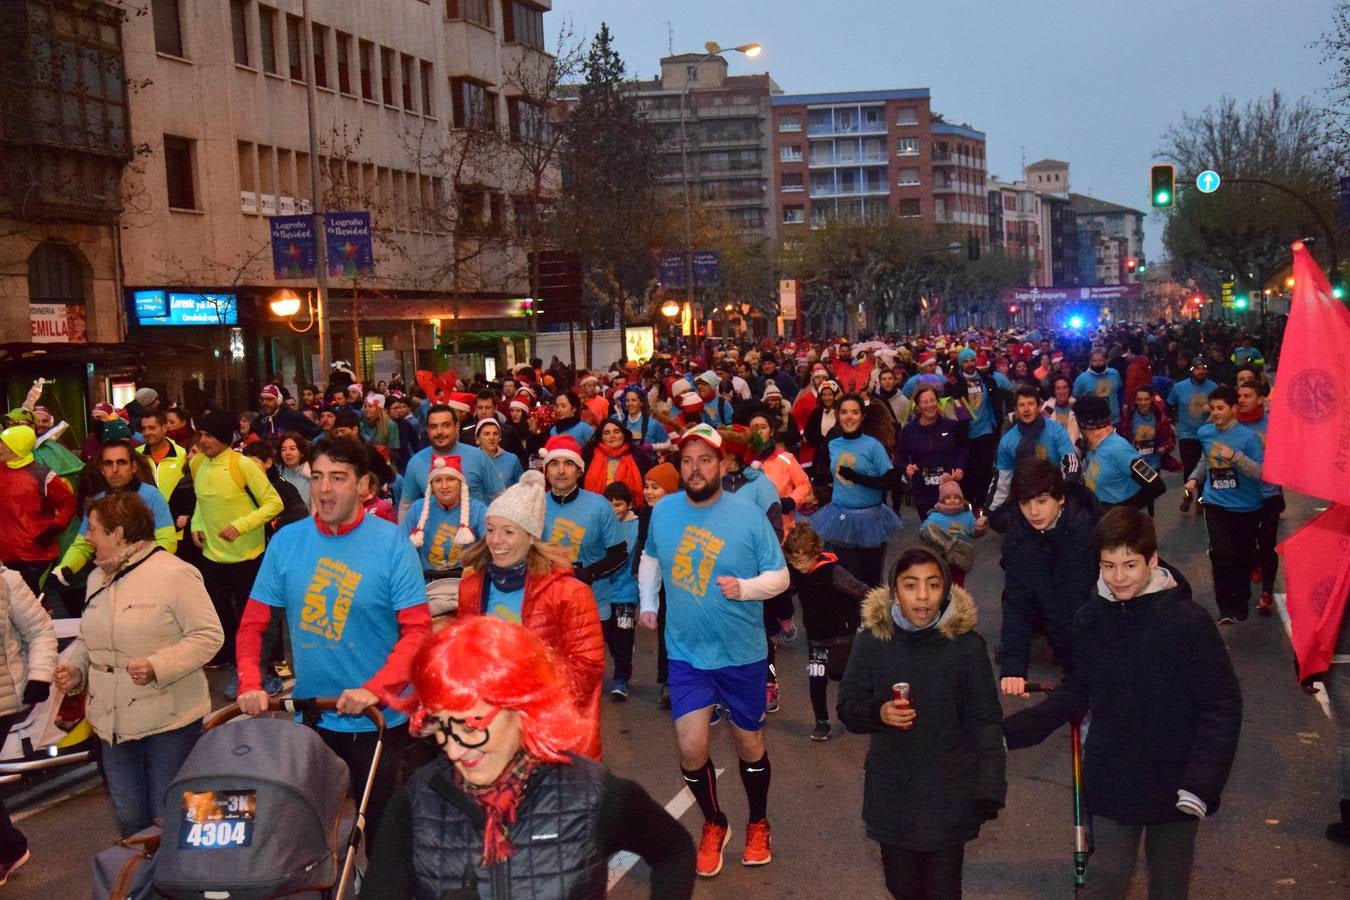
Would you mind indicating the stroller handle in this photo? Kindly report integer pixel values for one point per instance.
(304, 706)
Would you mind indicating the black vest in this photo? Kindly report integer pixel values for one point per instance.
(556, 836)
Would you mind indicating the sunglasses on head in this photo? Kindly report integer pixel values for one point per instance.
(470, 732)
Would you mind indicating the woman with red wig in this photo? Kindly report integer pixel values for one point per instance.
(509, 804)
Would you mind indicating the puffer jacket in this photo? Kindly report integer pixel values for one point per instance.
(158, 611)
(929, 787)
(563, 613)
(27, 638)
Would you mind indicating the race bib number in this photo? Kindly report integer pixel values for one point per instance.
(815, 669)
(932, 477)
(216, 819)
(624, 615)
(1223, 479)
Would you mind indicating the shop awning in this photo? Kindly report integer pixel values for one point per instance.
(139, 353)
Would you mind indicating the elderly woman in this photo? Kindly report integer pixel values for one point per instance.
(147, 631)
(513, 575)
(508, 802)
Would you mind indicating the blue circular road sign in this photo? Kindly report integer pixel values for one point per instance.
(1208, 181)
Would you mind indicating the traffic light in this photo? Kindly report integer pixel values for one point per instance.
(1013, 309)
(1163, 185)
(1198, 300)
(1239, 302)
(1337, 286)
(1131, 264)
(1142, 267)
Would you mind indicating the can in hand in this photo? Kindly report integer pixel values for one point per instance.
(900, 690)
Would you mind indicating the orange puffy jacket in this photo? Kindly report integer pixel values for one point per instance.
(563, 613)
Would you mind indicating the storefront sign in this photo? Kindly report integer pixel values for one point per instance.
(57, 323)
(350, 253)
(292, 246)
(640, 342)
(185, 309)
(787, 298)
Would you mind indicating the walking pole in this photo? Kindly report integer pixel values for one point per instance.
(1082, 846)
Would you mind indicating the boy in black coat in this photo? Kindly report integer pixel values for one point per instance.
(936, 764)
(1166, 712)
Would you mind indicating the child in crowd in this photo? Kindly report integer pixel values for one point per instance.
(623, 594)
(441, 526)
(831, 599)
(949, 529)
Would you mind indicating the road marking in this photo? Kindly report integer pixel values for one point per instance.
(1289, 633)
(620, 863)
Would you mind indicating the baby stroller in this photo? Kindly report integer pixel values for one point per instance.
(260, 809)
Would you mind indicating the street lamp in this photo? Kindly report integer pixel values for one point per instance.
(285, 304)
(751, 50)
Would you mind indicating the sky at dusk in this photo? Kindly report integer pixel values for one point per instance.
(1092, 82)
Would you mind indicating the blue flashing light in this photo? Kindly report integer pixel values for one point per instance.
(1075, 322)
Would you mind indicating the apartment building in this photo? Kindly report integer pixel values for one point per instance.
(421, 107)
(1108, 235)
(1015, 224)
(726, 120)
(1058, 226)
(866, 155)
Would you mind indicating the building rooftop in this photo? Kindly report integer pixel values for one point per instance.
(851, 97)
(1091, 206)
(958, 130)
(1047, 164)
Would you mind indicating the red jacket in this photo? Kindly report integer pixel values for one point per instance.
(563, 613)
(31, 518)
(1165, 438)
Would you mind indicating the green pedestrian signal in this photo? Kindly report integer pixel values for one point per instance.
(1163, 184)
(1337, 286)
(1240, 303)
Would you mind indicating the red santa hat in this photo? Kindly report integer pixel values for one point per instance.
(562, 446)
(461, 402)
(444, 467)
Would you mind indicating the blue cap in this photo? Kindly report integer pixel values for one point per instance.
(966, 355)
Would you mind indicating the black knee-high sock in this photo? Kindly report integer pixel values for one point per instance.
(817, 679)
(703, 785)
(755, 777)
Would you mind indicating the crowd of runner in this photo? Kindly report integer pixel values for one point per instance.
(706, 494)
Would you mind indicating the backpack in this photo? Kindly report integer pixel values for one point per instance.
(236, 472)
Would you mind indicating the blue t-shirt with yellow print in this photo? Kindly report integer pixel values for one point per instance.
(586, 527)
(439, 550)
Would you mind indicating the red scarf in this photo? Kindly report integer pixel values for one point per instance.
(597, 473)
(500, 801)
(1253, 416)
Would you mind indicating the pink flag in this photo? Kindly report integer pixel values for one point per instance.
(1308, 441)
(1317, 578)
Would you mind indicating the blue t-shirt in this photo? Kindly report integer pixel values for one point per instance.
(1053, 444)
(581, 432)
(1192, 404)
(505, 605)
(508, 469)
(758, 488)
(1260, 426)
(696, 546)
(623, 587)
(585, 527)
(716, 411)
(1224, 485)
(1145, 439)
(439, 550)
(1108, 473)
(865, 455)
(159, 507)
(1107, 385)
(963, 523)
(655, 432)
(342, 595)
(479, 473)
(980, 405)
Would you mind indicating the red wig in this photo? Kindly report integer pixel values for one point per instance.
(505, 665)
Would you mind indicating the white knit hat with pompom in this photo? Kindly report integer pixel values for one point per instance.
(523, 503)
(444, 467)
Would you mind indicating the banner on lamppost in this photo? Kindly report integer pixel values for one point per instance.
(350, 253)
(292, 246)
(707, 267)
(787, 298)
(670, 269)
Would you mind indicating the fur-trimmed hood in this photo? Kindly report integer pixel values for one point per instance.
(876, 614)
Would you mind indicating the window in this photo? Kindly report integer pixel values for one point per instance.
(320, 38)
(872, 117)
(344, 65)
(427, 108)
(790, 153)
(366, 50)
(906, 115)
(790, 124)
(239, 30)
(479, 11)
(691, 73)
(907, 147)
(168, 27)
(526, 121)
(909, 209)
(474, 105)
(908, 176)
(54, 275)
(293, 36)
(469, 204)
(178, 170)
(794, 215)
(522, 24)
(408, 81)
(267, 37)
(387, 76)
(791, 181)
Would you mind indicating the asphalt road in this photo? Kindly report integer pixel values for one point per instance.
(1266, 841)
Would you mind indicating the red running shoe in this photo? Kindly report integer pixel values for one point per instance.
(709, 860)
(1266, 605)
(757, 851)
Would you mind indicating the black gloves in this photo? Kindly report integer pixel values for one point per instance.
(787, 505)
(35, 692)
(47, 536)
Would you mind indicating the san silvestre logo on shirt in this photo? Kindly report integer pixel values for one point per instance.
(317, 617)
(568, 535)
(695, 557)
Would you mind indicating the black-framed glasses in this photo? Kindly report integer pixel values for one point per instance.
(470, 732)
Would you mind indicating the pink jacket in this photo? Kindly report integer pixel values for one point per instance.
(790, 479)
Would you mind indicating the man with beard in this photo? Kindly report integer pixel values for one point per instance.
(719, 560)
(276, 419)
(1100, 381)
(443, 437)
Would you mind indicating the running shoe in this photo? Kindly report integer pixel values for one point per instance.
(771, 696)
(1187, 498)
(7, 869)
(709, 860)
(1266, 605)
(822, 730)
(618, 691)
(1227, 620)
(757, 851)
(787, 631)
